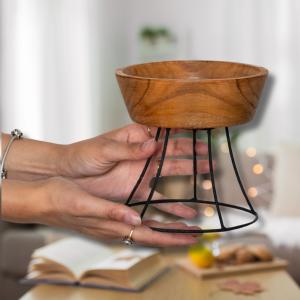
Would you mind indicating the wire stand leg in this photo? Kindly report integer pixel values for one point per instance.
(195, 164)
(163, 155)
(143, 171)
(236, 171)
(212, 178)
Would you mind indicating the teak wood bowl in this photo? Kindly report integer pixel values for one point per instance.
(191, 94)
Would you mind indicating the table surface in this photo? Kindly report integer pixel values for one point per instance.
(177, 284)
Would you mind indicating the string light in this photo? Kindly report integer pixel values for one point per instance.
(252, 192)
(257, 169)
(209, 211)
(251, 152)
(206, 184)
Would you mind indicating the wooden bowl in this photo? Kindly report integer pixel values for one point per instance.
(191, 94)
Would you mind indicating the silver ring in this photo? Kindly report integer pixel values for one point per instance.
(128, 239)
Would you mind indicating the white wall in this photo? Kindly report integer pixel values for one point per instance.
(263, 32)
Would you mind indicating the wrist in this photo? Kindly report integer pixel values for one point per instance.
(31, 160)
(72, 162)
(64, 161)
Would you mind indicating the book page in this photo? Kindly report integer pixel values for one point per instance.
(77, 254)
(124, 259)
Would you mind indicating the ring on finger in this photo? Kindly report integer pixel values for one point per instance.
(127, 240)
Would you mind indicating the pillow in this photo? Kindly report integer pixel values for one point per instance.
(286, 200)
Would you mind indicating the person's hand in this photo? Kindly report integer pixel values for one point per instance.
(109, 165)
(61, 202)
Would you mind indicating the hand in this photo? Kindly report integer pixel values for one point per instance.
(60, 202)
(109, 165)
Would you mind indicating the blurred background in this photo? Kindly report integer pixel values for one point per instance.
(57, 83)
(58, 59)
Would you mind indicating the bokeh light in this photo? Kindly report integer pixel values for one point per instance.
(252, 192)
(209, 211)
(206, 184)
(251, 152)
(257, 169)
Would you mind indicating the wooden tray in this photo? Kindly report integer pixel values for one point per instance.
(213, 272)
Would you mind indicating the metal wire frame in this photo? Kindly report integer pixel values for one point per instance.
(215, 202)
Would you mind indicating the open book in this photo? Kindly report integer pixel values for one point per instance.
(77, 261)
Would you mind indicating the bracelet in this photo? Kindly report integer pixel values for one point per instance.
(16, 134)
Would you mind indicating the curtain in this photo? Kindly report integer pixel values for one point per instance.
(57, 68)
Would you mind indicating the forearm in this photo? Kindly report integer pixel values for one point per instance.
(30, 160)
(22, 202)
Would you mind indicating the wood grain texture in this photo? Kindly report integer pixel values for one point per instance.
(191, 94)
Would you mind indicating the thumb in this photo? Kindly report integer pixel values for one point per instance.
(133, 151)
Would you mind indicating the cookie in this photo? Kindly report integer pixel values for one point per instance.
(227, 253)
(261, 252)
(243, 256)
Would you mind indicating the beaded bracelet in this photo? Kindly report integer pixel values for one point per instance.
(16, 134)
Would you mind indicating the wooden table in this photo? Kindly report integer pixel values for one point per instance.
(178, 285)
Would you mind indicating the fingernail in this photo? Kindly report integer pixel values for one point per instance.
(148, 144)
(133, 220)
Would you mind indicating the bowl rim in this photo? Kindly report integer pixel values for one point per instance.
(261, 71)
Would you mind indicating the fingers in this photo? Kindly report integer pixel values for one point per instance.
(176, 146)
(91, 206)
(142, 234)
(136, 142)
(173, 167)
(172, 225)
(147, 236)
(137, 151)
(177, 209)
(133, 133)
(136, 133)
(151, 237)
(118, 151)
(184, 146)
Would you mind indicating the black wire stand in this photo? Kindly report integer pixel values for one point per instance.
(215, 202)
